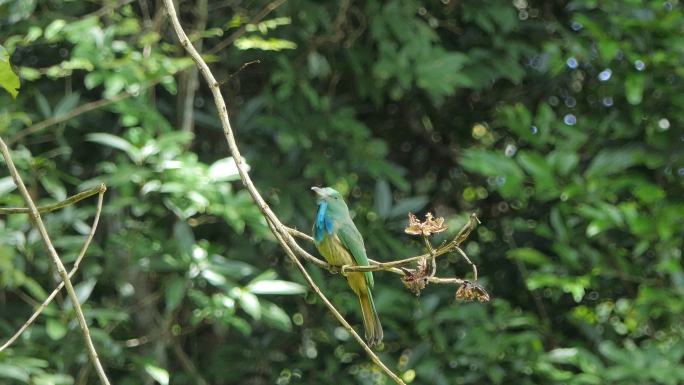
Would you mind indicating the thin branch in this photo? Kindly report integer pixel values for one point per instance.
(35, 215)
(82, 109)
(286, 241)
(375, 265)
(40, 126)
(186, 362)
(240, 31)
(444, 249)
(190, 83)
(56, 206)
(463, 254)
(101, 190)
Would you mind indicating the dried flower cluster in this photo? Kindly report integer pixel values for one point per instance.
(471, 291)
(430, 226)
(416, 280)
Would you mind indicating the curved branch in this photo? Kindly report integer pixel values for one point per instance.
(284, 238)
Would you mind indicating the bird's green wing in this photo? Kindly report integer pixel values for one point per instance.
(351, 239)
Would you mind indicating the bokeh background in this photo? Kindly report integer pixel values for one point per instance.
(558, 122)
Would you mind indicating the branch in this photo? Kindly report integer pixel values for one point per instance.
(82, 109)
(284, 238)
(375, 265)
(101, 190)
(56, 206)
(460, 237)
(64, 117)
(35, 215)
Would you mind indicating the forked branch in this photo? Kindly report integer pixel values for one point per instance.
(35, 216)
(100, 190)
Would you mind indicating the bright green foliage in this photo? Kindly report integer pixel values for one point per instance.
(560, 123)
(8, 79)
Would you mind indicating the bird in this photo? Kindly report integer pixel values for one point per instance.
(340, 242)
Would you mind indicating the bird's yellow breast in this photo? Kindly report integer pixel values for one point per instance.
(337, 255)
(331, 248)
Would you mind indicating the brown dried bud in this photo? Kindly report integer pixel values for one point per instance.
(430, 226)
(471, 291)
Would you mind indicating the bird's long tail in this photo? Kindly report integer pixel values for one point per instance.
(371, 322)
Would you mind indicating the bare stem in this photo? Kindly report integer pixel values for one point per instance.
(56, 206)
(35, 216)
(284, 238)
(465, 256)
(101, 190)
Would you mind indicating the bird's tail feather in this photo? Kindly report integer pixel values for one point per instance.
(371, 322)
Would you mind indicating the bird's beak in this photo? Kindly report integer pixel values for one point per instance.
(318, 191)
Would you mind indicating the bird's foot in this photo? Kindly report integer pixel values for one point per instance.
(343, 269)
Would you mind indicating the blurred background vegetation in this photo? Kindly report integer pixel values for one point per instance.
(558, 122)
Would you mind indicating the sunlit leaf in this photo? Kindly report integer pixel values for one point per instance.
(158, 374)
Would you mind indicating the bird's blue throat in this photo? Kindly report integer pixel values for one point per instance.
(323, 222)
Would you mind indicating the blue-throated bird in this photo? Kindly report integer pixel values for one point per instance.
(339, 241)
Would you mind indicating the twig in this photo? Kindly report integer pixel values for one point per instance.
(82, 109)
(56, 206)
(242, 67)
(431, 251)
(191, 76)
(35, 215)
(463, 254)
(279, 231)
(235, 35)
(186, 362)
(101, 190)
(64, 117)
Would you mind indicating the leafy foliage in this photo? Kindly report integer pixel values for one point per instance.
(560, 123)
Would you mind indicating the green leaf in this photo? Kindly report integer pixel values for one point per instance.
(614, 160)
(119, 143)
(66, 104)
(541, 171)
(441, 75)
(14, 372)
(257, 42)
(55, 329)
(508, 174)
(53, 29)
(529, 256)
(158, 374)
(175, 292)
(634, 88)
(7, 185)
(276, 287)
(250, 304)
(275, 316)
(383, 198)
(225, 170)
(8, 79)
(83, 291)
(412, 204)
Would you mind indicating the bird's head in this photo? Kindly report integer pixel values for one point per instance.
(330, 196)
